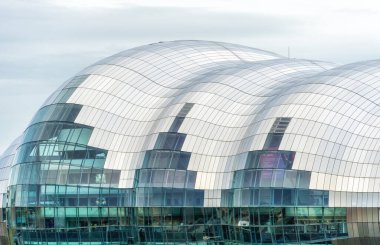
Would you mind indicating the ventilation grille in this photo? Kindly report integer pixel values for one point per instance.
(280, 125)
(185, 109)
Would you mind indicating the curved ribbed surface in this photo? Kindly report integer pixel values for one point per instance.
(6, 160)
(194, 124)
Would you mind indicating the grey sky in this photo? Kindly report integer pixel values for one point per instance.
(45, 42)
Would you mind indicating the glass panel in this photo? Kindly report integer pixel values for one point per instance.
(170, 141)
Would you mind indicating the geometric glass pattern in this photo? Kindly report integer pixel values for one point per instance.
(199, 142)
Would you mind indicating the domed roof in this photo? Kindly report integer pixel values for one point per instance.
(195, 124)
(225, 99)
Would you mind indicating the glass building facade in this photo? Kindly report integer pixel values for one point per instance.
(197, 142)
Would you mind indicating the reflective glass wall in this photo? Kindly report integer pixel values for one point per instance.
(196, 142)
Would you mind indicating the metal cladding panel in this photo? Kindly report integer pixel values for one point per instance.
(198, 124)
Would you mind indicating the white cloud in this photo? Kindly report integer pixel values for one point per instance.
(287, 7)
(90, 3)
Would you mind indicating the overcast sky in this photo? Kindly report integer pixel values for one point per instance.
(45, 42)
